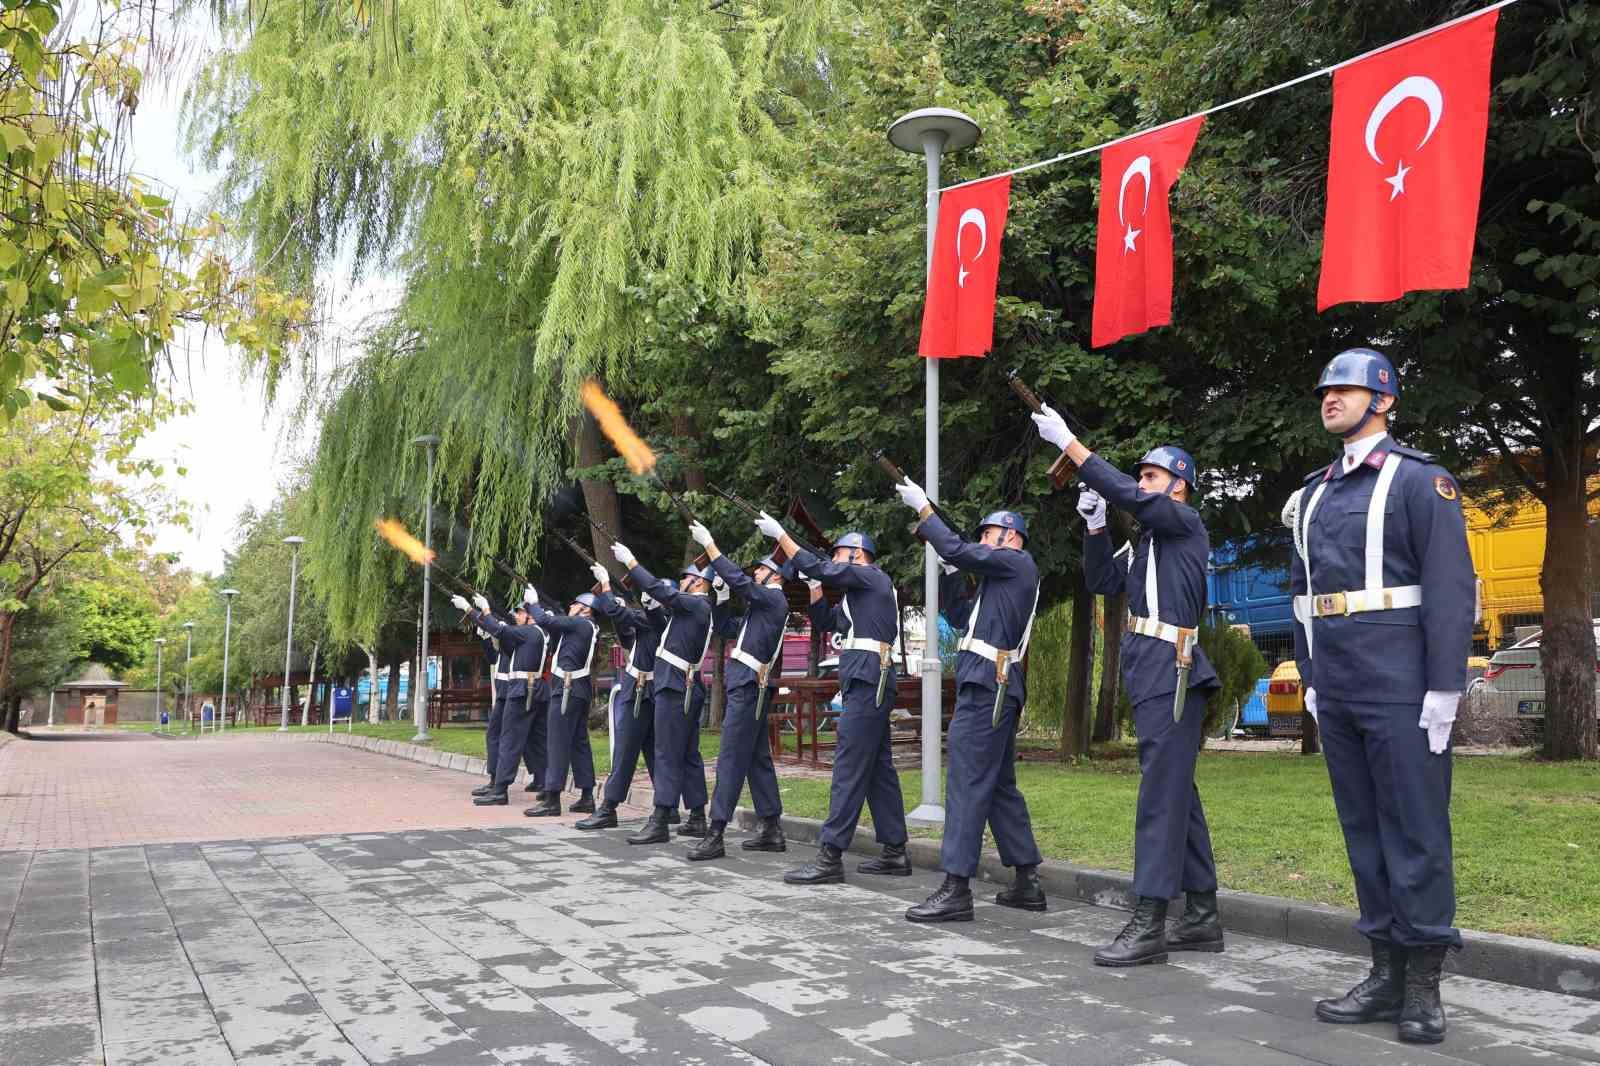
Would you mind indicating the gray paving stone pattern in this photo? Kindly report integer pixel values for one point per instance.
(551, 946)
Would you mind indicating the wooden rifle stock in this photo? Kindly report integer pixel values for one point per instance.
(755, 512)
(1063, 470)
(897, 475)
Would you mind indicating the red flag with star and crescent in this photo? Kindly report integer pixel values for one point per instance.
(1405, 166)
(958, 317)
(1133, 251)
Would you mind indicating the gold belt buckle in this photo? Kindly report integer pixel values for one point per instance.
(1001, 659)
(1331, 603)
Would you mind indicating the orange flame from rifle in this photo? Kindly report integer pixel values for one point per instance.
(395, 532)
(634, 451)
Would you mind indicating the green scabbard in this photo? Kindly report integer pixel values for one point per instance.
(1180, 695)
(638, 696)
(999, 704)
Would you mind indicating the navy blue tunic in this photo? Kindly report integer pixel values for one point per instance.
(867, 612)
(1006, 595)
(759, 630)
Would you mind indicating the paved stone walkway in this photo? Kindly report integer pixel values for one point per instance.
(547, 945)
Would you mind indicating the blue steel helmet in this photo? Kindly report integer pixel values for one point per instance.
(586, 599)
(1361, 368)
(1174, 460)
(1005, 520)
(772, 564)
(691, 570)
(526, 607)
(857, 540)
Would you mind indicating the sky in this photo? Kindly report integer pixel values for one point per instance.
(233, 446)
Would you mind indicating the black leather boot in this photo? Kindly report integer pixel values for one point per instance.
(483, 790)
(950, 902)
(549, 806)
(654, 830)
(893, 861)
(532, 786)
(605, 817)
(710, 846)
(1422, 1017)
(585, 804)
(696, 825)
(826, 869)
(1025, 893)
(768, 838)
(1376, 999)
(1143, 940)
(491, 798)
(674, 816)
(1200, 929)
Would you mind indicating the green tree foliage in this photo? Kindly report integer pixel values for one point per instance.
(1239, 664)
(116, 620)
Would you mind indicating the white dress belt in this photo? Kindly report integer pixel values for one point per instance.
(638, 674)
(1153, 627)
(1356, 601)
(876, 647)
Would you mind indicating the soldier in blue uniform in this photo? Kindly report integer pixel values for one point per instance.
(497, 704)
(868, 619)
(568, 707)
(680, 772)
(633, 711)
(1384, 595)
(519, 681)
(981, 784)
(754, 666)
(1168, 680)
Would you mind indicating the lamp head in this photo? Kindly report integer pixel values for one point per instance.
(230, 593)
(295, 541)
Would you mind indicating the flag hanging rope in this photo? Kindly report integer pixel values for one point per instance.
(1321, 73)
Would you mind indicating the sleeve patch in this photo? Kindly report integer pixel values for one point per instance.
(1445, 487)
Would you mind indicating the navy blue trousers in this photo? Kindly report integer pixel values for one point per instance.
(1171, 842)
(981, 785)
(631, 737)
(569, 740)
(680, 772)
(863, 770)
(745, 753)
(517, 738)
(491, 736)
(1393, 798)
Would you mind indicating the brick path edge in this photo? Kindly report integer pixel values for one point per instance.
(1513, 960)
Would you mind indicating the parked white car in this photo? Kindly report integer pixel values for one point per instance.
(1516, 676)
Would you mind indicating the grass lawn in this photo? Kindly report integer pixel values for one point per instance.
(1527, 834)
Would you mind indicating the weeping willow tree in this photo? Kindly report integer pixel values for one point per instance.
(533, 171)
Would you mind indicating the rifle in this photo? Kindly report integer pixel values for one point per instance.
(754, 512)
(897, 475)
(701, 561)
(1063, 470)
(577, 550)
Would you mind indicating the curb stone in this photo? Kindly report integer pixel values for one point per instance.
(1512, 960)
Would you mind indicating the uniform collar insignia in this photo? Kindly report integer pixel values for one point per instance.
(1376, 458)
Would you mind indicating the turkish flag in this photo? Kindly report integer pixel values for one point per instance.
(1405, 166)
(1133, 252)
(958, 318)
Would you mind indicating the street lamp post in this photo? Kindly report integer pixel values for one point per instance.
(419, 684)
(931, 131)
(227, 637)
(288, 640)
(188, 708)
(161, 643)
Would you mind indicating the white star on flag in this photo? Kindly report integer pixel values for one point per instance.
(1398, 181)
(1128, 238)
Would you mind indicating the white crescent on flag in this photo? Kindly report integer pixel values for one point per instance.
(1415, 87)
(972, 216)
(1141, 168)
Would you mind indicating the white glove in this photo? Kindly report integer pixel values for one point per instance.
(813, 586)
(701, 535)
(1311, 704)
(483, 633)
(1438, 718)
(600, 574)
(1092, 506)
(460, 603)
(1053, 428)
(624, 556)
(481, 601)
(721, 588)
(769, 526)
(948, 568)
(648, 601)
(911, 495)
(530, 594)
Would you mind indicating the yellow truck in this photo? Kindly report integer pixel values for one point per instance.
(1508, 555)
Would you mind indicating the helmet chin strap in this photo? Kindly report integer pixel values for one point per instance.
(1372, 409)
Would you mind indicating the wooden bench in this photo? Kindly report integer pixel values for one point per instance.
(804, 707)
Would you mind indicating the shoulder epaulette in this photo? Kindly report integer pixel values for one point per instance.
(1318, 474)
(1411, 453)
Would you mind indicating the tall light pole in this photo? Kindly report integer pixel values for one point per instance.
(288, 640)
(932, 131)
(188, 708)
(161, 642)
(419, 685)
(227, 636)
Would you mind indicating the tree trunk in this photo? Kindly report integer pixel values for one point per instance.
(7, 622)
(1567, 648)
(372, 685)
(311, 684)
(1106, 725)
(1075, 715)
(391, 693)
(599, 497)
(694, 477)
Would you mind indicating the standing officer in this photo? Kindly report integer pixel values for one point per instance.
(680, 772)
(568, 706)
(1165, 582)
(497, 704)
(519, 681)
(633, 714)
(981, 784)
(1384, 592)
(863, 765)
(751, 685)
